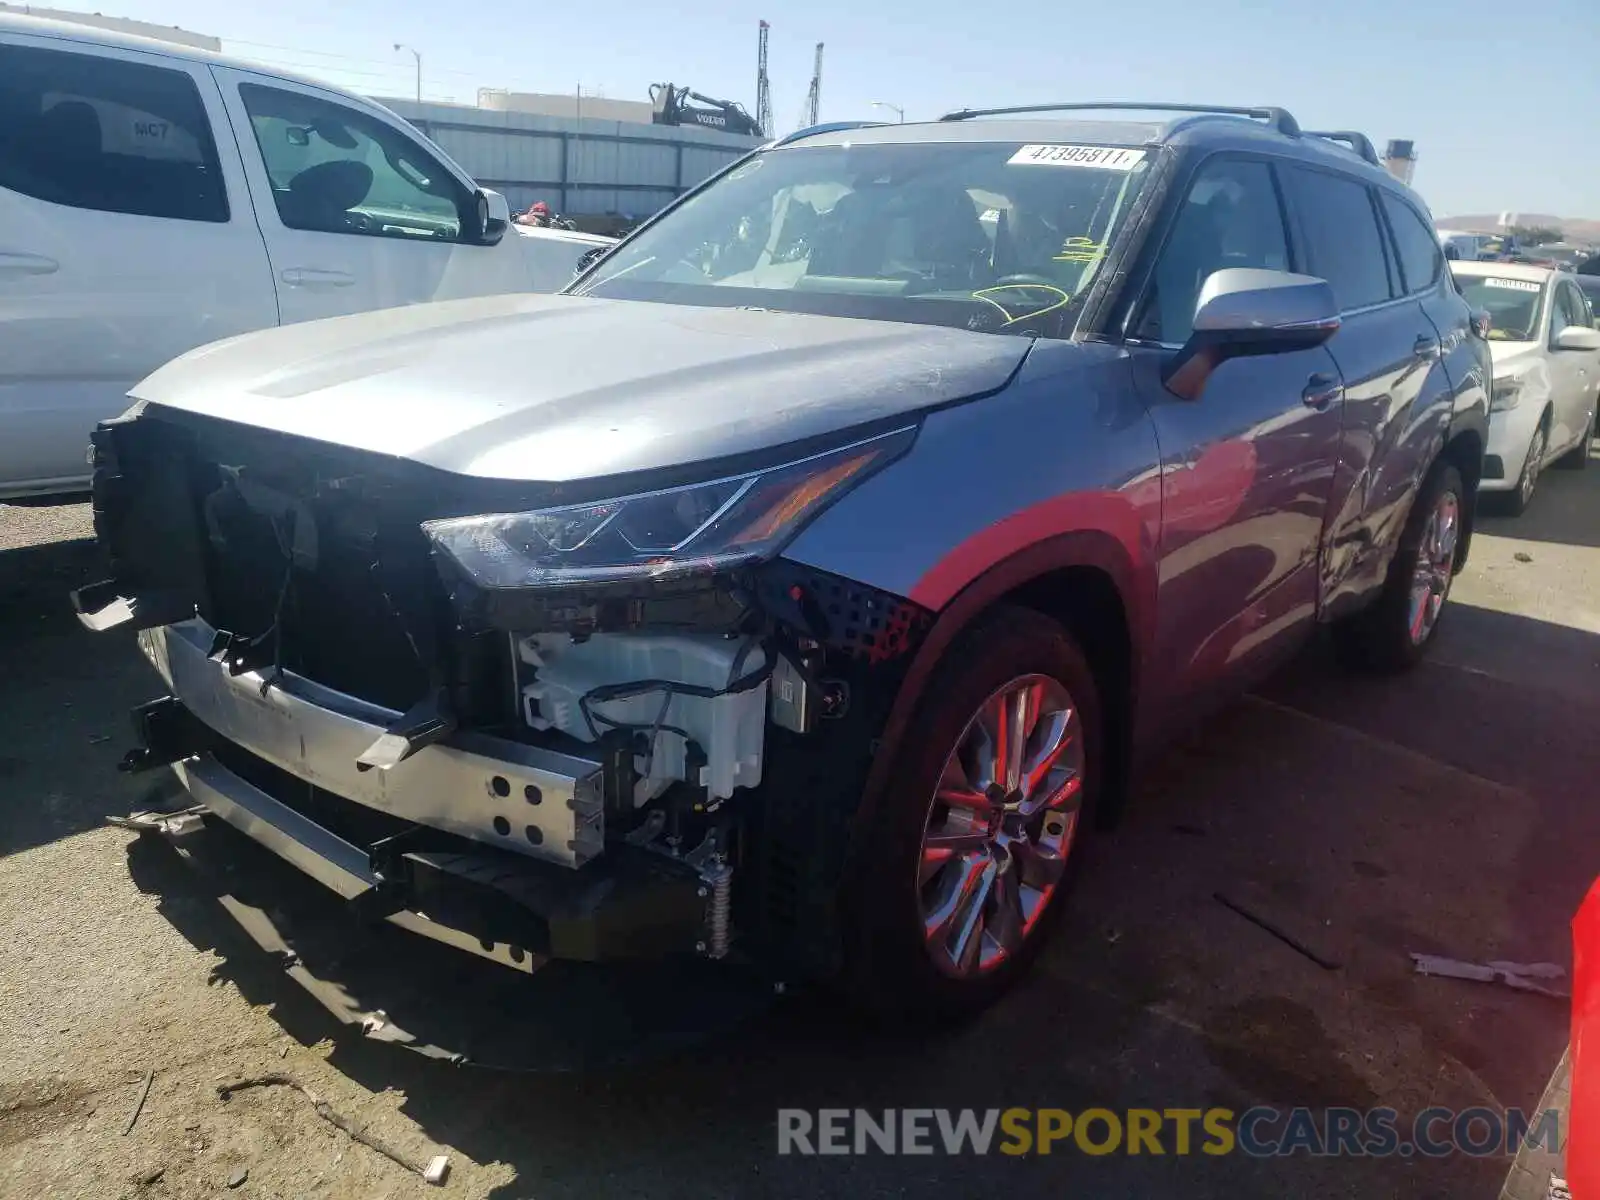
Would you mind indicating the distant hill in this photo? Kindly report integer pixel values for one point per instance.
(1573, 229)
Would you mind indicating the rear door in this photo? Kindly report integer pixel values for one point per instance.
(1397, 395)
(358, 213)
(126, 238)
(1574, 374)
(1246, 469)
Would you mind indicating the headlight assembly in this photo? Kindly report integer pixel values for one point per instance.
(1507, 393)
(695, 529)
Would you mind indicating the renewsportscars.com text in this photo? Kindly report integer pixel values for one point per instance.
(1260, 1132)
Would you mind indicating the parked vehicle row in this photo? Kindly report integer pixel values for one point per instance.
(155, 198)
(805, 582)
(1546, 352)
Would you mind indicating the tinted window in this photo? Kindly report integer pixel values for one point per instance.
(334, 169)
(1420, 253)
(1229, 218)
(101, 133)
(1590, 285)
(1342, 236)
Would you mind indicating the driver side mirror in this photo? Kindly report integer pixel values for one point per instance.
(494, 216)
(1577, 337)
(1246, 311)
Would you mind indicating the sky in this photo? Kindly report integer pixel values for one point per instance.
(1504, 108)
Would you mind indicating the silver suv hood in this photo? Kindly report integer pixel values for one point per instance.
(561, 388)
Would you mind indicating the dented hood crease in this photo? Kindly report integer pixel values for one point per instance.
(560, 388)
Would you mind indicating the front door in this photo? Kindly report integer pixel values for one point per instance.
(1246, 468)
(357, 212)
(1574, 374)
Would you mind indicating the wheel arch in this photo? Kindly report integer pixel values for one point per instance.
(1086, 580)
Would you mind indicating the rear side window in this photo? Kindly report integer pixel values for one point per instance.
(1421, 256)
(1344, 243)
(101, 133)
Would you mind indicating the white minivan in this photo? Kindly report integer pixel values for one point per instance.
(155, 198)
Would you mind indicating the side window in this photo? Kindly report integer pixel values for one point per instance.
(1420, 257)
(1342, 236)
(102, 133)
(1229, 218)
(334, 169)
(1570, 309)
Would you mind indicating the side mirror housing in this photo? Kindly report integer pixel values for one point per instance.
(1576, 337)
(494, 217)
(1245, 311)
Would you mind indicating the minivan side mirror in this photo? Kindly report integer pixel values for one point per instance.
(494, 217)
(1578, 337)
(1246, 311)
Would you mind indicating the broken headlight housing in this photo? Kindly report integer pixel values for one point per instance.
(699, 528)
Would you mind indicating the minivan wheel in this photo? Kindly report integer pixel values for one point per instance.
(1394, 632)
(975, 842)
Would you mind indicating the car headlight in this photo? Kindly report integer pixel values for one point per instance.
(696, 529)
(1507, 393)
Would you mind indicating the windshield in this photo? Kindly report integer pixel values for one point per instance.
(991, 236)
(1513, 304)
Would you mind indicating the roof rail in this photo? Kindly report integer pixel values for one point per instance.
(1359, 142)
(825, 127)
(1279, 118)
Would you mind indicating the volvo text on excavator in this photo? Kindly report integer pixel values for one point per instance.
(672, 107)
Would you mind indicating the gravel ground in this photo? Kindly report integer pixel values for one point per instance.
(1450, 811)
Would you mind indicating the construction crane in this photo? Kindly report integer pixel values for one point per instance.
(814, 96)
(672, 107)
(763, 86)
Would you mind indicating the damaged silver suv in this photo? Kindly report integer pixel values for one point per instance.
(803, 584)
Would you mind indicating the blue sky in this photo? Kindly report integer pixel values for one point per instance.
(1503, 102)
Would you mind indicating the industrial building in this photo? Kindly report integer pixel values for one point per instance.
(583, 166)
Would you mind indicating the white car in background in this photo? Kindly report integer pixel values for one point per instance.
(156, 198)
(1546, 353)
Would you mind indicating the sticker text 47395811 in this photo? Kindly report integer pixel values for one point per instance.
(1105, 158)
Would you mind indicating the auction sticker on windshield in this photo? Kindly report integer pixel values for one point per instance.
(1515, 285)
(1106, 158)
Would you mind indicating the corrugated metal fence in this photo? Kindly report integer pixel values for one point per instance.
(578, 166)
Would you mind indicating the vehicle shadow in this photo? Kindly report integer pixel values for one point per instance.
(64, 695)
(1566, 508)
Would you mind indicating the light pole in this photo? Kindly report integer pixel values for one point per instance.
(399, 46)
(898, 111)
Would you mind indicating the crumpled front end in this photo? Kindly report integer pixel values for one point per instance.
(526, 757)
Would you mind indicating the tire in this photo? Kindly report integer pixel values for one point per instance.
(1515, 502)
(1385, 636)
(897, 970)
(1577, 458)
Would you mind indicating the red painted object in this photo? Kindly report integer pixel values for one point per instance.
(1583, 1112)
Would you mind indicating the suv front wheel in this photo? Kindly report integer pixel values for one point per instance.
(975, 842)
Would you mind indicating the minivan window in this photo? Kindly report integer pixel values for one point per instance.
(990, 236)
(103, 133)
(1230, 217)
(1420, 254)
(334, 169)
(1343, 241)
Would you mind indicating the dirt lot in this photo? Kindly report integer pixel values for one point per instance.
(1451, 811)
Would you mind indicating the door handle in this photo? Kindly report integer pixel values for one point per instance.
(1425, 347)
(1321, 391)
(27, 264)
(312, 277)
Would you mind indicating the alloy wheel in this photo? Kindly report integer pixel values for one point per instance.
(1530, 467)
(1000, 825)
(1436, 557)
